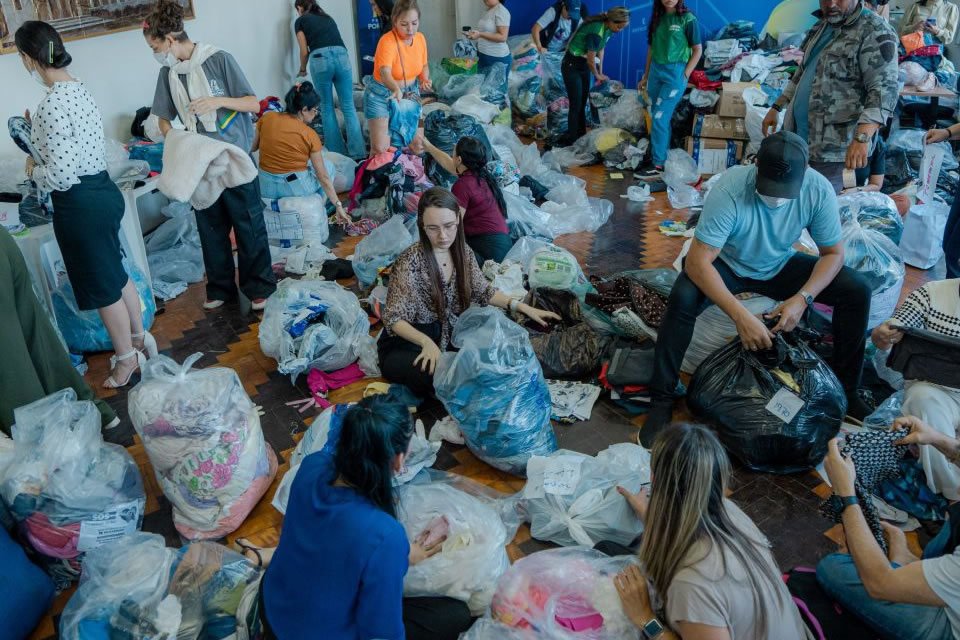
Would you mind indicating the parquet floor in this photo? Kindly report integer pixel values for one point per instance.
(784, 507)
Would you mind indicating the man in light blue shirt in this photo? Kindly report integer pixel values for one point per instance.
(744, 243)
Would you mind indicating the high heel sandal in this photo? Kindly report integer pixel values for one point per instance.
(111, 383)
(149, 343)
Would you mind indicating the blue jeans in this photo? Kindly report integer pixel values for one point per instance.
(837, 574)
(274, 186)
(951, 241)
(329, 68)
(486, 63)
(665, 86)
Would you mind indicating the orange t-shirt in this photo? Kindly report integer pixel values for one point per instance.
(390, 52)
(285, 143)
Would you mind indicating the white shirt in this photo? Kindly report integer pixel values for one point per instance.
(493, 18)
(564, 27)
(67, 132)
(943, 576)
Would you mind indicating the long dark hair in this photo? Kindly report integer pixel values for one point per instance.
(385, 7)
(164, 19)
(658, 12)
(301, 96)
(474, 157)
(41, 43)
(440, 198)
(310, 6)
(374, 431)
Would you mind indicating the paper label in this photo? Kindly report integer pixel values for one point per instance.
(558, 476)
(929, 172)
(785, 405)
(104, 528)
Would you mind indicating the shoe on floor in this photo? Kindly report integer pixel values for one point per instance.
(659, 416)
(212, 304)
(650, 173)
(857, 408)
(258, 304)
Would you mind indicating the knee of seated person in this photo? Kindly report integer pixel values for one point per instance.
(685, 293)
(855, 290)
(836, 571)
(920, 398)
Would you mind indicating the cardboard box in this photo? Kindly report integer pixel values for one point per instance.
(714, 156)
(712, 126)
(731, 103)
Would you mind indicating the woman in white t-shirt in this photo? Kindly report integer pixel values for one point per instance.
(552, 31)
(703, 555)
(491, 38)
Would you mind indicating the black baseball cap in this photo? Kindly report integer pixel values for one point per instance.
(781, 164)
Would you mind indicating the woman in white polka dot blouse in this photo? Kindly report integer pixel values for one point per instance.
(67, 132)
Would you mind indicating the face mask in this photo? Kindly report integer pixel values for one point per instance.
(165, 59)
(772, 202)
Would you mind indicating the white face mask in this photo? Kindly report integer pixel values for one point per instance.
(165, 59)
(772, 202)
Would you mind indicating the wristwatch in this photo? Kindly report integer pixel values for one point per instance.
(652, 629)
(776, 107)
(861, 137)
(806, 297)
(840, 503)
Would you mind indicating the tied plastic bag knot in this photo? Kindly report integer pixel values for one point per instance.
(638, 193)
(167, 368)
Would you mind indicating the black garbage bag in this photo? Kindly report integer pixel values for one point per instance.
(745, 396)
(681, 123)
(900, 169)
(443, 130)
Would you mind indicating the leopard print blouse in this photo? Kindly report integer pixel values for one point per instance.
(409, 294)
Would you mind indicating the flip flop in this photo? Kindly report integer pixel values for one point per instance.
(244, 545)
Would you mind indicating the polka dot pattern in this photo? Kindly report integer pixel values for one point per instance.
(68, 135)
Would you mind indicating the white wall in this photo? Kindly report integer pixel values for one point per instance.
(120, 71)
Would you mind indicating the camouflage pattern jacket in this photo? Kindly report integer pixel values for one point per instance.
(855, 82)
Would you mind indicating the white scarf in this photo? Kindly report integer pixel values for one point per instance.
(197, 87)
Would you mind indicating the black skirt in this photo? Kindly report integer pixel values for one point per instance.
(86, 222)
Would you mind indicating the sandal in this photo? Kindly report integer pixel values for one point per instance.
(111, 382)
(243, 545)
(149, 343)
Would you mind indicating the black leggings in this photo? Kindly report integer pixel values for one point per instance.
(576, 77)
(397, 356)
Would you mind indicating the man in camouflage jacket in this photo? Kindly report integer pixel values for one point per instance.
(848, 93)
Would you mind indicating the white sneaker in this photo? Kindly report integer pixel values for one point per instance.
(212, 304)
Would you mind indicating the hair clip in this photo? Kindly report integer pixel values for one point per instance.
(145, 25)
(298, 85)
(50, 52)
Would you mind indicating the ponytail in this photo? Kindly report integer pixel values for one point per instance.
(473, 155)
(618, 15)
(301, 96)
(374, 432)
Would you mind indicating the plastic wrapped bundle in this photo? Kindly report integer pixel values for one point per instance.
(202, 434)
(494, 388)
(344, 169)
(626, 113)
(297, 218)
(553, 267)
(83, 330)
(875, 257)
(680, 170)
(775, 410)
(69, 491)
(601, 140)
(913, 142)
(474, 555)
(525, 96)
(380, 249)
(571, 499)
(318, 324)
(873, 210)
(605, 94)
(203, 591)
(558, 594)
(714, 329)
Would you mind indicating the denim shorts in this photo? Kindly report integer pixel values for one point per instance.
(376, 97)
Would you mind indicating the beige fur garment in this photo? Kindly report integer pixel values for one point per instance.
(197, 169)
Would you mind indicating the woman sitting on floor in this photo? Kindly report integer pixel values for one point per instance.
(338, 571)
(703, 555)
(431, 284)
(480, 198)
(286, 143)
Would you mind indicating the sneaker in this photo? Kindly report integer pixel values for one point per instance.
(659, 416)
(650, 173)
(212, 304)
(258, 304)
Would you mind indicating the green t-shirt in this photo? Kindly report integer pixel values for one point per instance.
(674, 38)
(591, 36)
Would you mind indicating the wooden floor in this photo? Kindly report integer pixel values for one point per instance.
(784, 507)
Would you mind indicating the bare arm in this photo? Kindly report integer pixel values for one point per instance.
(441, 156)
(826, 269)
(646, 68)
(406, 331)
(593, 62)
(387, 79)
(695, 54)
(304, 52)
(164, 126)
(535, 32)
(316, 159)
(694, 631)
(699, 268)
(500, 35)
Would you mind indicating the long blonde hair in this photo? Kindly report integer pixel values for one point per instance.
(690, 473)
(618, 15)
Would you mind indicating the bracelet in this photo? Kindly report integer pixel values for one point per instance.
(513, 304)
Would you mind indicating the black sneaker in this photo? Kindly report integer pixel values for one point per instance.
(650, 173)
(659, 416)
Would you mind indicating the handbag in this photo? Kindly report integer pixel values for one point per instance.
(927, 355)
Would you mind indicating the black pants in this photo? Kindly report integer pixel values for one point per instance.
(490, 246)
(951, 241)
(397, 356)
(832, 171)
(239, 209)
(849, 294)
(435, 618)
(576, 77)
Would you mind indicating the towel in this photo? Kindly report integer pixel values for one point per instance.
(197, 87)
(197, 169)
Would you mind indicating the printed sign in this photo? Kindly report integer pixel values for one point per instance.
(108, 526)
(929, 172)
(785, 405)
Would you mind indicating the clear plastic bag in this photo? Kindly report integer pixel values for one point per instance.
(69, 491)
(875, 257)
(494, 387)
(714, 330)
(523, 253)
(873, 210)
(202, 434)
(922, 241)
(913, 141)
(506, 277)
(576, 217)
(626, 113)
(684, 197)
(550, 593)
(473, 105)
(460, 85)
(680, 169)
(883, 416)
(310, 212)
(380, 249)
(328, 343)
(526, 218)
(344, 170)
(601, 140)
(173, 249)
(566, 157)
(473, 557)
(585, 507)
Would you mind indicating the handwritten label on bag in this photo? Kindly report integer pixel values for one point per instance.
(557, 476)
(785, 405)
(929, 172)
(108, 526)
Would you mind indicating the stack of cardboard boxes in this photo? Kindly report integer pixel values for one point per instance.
(717, 140)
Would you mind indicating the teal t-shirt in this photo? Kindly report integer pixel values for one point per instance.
(674, 38)
(591, 36)
(756, 241)
(801, 97)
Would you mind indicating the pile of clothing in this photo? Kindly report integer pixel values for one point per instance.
(316, 324)
(570, 348)
(380, 249)
(202, 434)
(142, 589)
(68, 491)
(174, 252)
(876, 211)
(627, 372)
